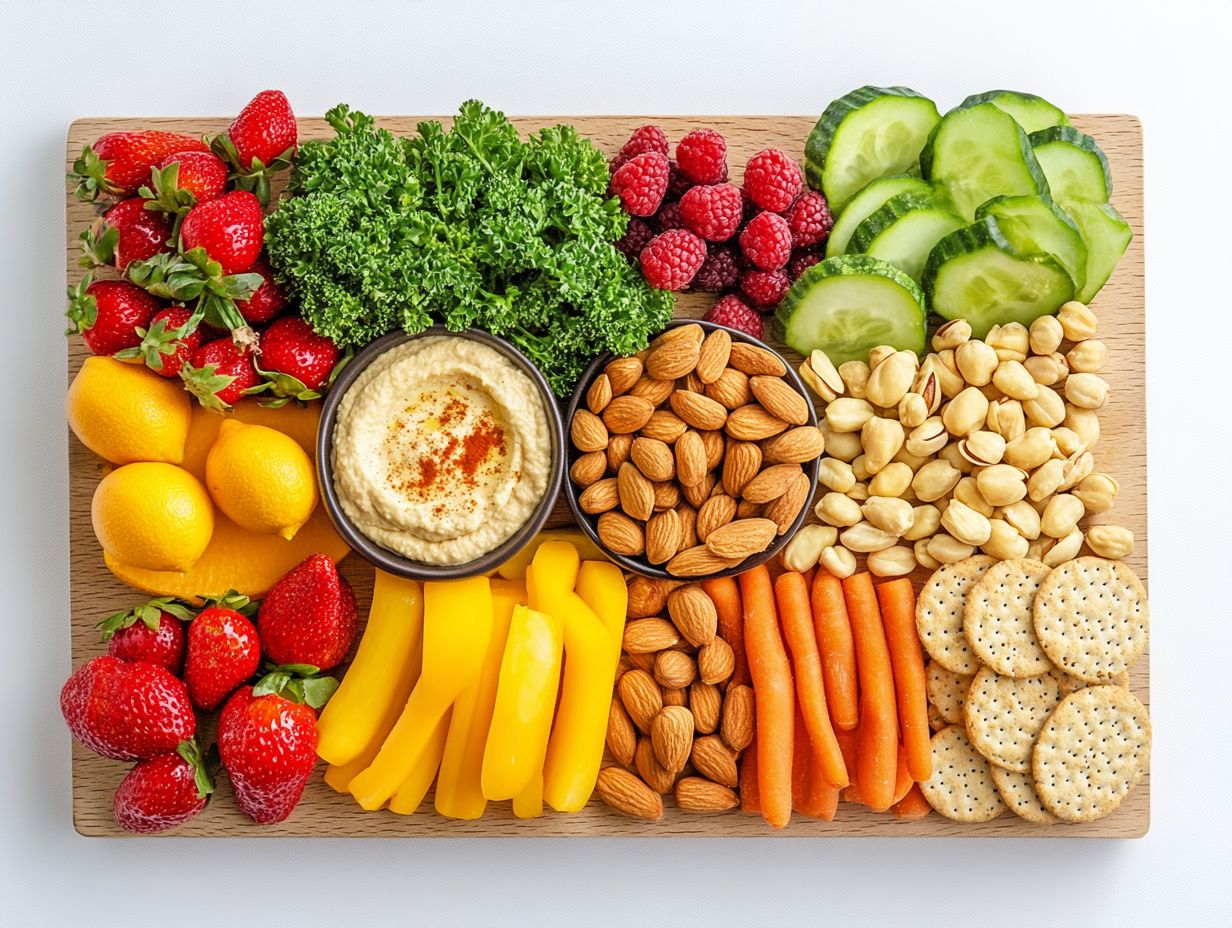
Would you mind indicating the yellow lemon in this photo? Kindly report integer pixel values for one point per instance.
(125, 413)
(261, 478)
(152, 515)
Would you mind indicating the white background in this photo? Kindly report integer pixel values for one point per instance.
(1164, 62)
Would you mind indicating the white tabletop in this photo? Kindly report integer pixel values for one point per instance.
(62, 60)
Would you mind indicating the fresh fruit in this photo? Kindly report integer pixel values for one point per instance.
(764, 288)
(801, 261)
(669, 217)
(641, 182)
(184, 179)
(267, 301)
(713, 212)
(296, 361)
(152, 515)
(772, 180)
(125, 413)
(220, 373)
(229, 228)
(903, 231)
(126, 233)
(108, 313)
(672, 259)
(636, 237)
(644, 138)
(866, 202)
(119, 162)
(167, 344)
(809, 219)
(702, 156)
(268, 746)
(308, 617)
(263, 133)
(1031, 112)
(1074, 164)
(163, 792)
(261, 479)
(126, 711)
(766, 241)
(223, 651)
(152, 632)
(720, 271)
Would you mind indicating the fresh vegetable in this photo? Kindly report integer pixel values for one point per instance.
(897, 601)
(877, 761)
(1074, 164)
(1031, 112)
(1106, 236)
(870, 198)
(1038, 225)
(724, 592)
(903, 231)
(408, 797)
(837, 650)
(774, 693)
(750, 799)
(912, 806)
(470, 226)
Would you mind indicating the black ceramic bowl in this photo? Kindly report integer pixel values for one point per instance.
(391, 561)
(640, 565)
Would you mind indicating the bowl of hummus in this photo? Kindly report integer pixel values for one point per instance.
(439, 454)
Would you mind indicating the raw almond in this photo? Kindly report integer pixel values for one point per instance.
(600, 496)
(647, 596)
(714, 513)
(653, 773)
(770, 483)
(716, 446)
(623, 374)
(697, 410)
(628, 795)
(754, 360)
(667, 495)
(715, 760)
(705, 702)
(664, 425)
(713, 356)
(783, 510)
(795, 446)
(621, 734)
(587, 431)
(692, 333)
(618, 451)
(652, 390)
(739, 539)
(649, 635)
(662, 536)
(693, 613)
(653, 458)
(731, 389)
(599, 394)
(635, 491)
(716, 661)
(640, 696)
(753, 423)
(675, 697)
(621, 534)
(673, 359)
(780, 399)
(747, 510)
(741, 465)
(698, 561)
(688, 525)
(690, 459)
(588, 468)
(698, 493)
(642, 661)
(674, 669)
(737, 720)
(690, 383)
(627, 414)
(697, 794)
(671, 737)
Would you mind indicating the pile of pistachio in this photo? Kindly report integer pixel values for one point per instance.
(984, 445)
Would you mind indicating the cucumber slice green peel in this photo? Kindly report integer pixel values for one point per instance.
(868, 201)
(1074, 164)
(1031, 112)
(1106, 235)
(1039, 225)
(904, 230)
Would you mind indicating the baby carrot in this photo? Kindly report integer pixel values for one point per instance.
(792, 596)
(878, 759)
(812, 793)
(773, 695)
(902, 776)
(749, 800)
(849, 744)
(724, 592)
(897, 600)
(913, 805)
(838, 656)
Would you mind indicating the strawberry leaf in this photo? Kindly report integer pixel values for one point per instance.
(89, 173)
(192, 756)
(82, 309)
(318, 690)
(98, 244)
(148, 613)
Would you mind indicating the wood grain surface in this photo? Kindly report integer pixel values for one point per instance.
(1121, 452)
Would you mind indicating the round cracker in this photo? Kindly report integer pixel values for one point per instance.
(961, 787)
(1018, 792)
(1091, 618)
(1004, 715)
(947, 691)
(997, 618)
(936, 721)
(1073, 684)
(1091, 752)
(939, 613)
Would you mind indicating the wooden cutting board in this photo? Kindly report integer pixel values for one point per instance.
(1122, 452)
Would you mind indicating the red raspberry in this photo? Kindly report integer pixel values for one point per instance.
(809, 219)
(635, 238)
(672, 259)
(668, 217)
(801, 262)
(713, 212)
(641, 182)
(702, 155)
(644, 138)
(772, 179)
(677, 183)
(720, 272)
(735, 313)
(766, 241)
(765, 288)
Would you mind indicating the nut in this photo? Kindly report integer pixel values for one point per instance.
(640, 696)
(1077, 321)
(697, 794)
(653, 458)
(653, 773)
(599, 394)
(587, 431)
(951, 334)
(804, 549)
(731, 389)
(1087, 357)
(878, 354)
(716, 662)
(965, 524)
(859, 492)
(697, 410)
(889, 514)
(1068, 441)
(927, 386)
(1031, 449)
(945, 549)
(713, 355)
(1061, 515)
(754, 360)
(843, 446)
(691, 466)
(779, 399)
(753, 423)
(976, 361)
(688, 525)
(1011, 341)
(848, 414)
(705, 702)
(1045, 335)
(675, 697)
(838, 561)
(952, 454)
(967, 492)
(1065, 549)
(1086, 391)
(621, 733)
(912, 410)
(882, 439)
(1004, 542)
(647, 596)
(628, 795)
(618, 451)
(1047, 409)
(1085, 423)
(1111, 541)
(737, 723)
(674, 669)
(741, 465)
(1077, 469)
(673, 359)
(671, 736)
(897, 561)
(600, 496)
(1001, 484)
(664, 425)
(891, 379)
(1044, 370)
(892, 480)
(783, 510)
(714, 513)
(1005, 417)
(622, 374)
(667, 495)
(663, 536)
(966, 412)
(1045, 480)
(648, 635)
(1098, 492)
(855, 376)
(927, 438)
(771, 483)
(946, 370)
(588, 468)
(1015, 381)
(934, 480)
(982, 448)
(820, 375)
(627, 414)
(715, 760)
(838, 509)
(925, 520)
(635, 492)
(1023, 517)
(795, 446)
(694, 614)
(864, 537)
(737, 540)
(922, 557)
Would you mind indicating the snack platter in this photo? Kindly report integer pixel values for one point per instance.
(95, 592)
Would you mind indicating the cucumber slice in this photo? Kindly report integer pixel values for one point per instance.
(1106, 235)
(872, 132)
(1038, 225)
(978, 153)
(977, 275)
(1074, 165)
(1031, 112)
(904, 230)
(849, 304)
(865, 203)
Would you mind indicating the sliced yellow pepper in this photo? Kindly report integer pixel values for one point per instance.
(529, 802)
(525, 700)
(515, 567)
(413, 789)
(458, 790)
(376, 683)
(457, 629)
(602, 587)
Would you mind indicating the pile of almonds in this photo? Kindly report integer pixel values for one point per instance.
(681, 714)
(690, 454)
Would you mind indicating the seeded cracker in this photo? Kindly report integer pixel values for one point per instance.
(939, 613)
(1004, 716)
(961, 787)
(947, 691)
(1018, 791)
(997, 618)
(1093, 749)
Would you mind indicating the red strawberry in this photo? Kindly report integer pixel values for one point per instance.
(264, 130)
(289, 347)
(268, 745)
(186, 178)
(230, 229)
(267, 301)
(119, 162)
(219, 373)
(108, 313)
(169, 341)
(223, 652)
(126, 233)
(151, 632)
(126, 711)
(163, 792)
(308, 617)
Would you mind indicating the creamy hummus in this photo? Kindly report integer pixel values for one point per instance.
(441, 449)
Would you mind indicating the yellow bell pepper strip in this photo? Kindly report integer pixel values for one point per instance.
(515, 567)
(457, 629)
(529, 802)
(372, 687)
(602, 587)
(525, 701)
(410, 794)
(458, 790)
(575, 749)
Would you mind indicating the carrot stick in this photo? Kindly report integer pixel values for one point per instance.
(849, 744)
(724, 592)
(800, 753)
(774, 695)
(812, 794)
(838, 656)
(792, 595)
(749, 800)
(897, 600)
(902, 776)
(913, 805)
(878, 759)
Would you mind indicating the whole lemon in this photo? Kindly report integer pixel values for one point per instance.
(125, 413)
(261, 479)
(152, 515)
